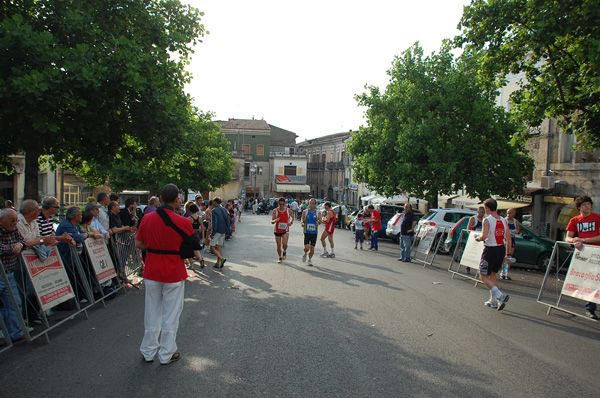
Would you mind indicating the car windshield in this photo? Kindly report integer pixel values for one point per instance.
(430, 214)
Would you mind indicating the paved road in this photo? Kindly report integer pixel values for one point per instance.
(360, 325)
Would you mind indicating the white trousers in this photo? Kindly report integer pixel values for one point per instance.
(164, 303)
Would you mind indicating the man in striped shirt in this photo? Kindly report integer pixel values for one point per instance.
(45, 222)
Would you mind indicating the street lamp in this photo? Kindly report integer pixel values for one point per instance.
(253, 170)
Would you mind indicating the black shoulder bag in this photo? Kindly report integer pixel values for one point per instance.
(189, 244)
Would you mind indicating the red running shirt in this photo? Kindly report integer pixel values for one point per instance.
(282, 225)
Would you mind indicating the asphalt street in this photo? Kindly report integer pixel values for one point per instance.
(360, 325)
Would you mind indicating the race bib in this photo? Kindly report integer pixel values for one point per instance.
(311, 227)
(282, 225)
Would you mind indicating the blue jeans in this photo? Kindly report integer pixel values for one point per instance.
(374, 241)
(405, 245)
(9, 312)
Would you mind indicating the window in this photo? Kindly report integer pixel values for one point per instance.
(260, 149)
(246, 148)
(289, 170)
(246, 169)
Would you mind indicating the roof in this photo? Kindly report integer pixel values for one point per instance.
(282, 137)
(244, 124)
(327, 139)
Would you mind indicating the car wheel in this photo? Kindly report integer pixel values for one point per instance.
(543, 261)
(441, 249)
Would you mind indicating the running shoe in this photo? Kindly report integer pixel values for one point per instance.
(280, 260)
(332, 255)
(325, 254)
(491, 303)
(202, 265)
(304, 257)
(502, 302)
(508, 278)
(222, 262)
(310, 262)
(284, 255)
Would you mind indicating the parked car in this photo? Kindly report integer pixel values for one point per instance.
(393, 226)
(530, 248)
(445, 217)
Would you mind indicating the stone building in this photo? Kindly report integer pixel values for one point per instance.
(326, 165)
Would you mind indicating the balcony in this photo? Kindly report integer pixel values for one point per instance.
(316, 166)
(335, 166)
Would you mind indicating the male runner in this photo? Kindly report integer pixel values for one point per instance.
(282, 219)
(515, 228)
(329, 221)
(496, 238)
(311, 218)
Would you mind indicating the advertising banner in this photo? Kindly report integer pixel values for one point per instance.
(100, 259)
(472, 253)
(427, 240)
(583, 278)
(49, 278)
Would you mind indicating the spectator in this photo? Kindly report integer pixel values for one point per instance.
(8, 204)
(95, 210)
(103, 200)
(153, 205)
(114, 221)
(11, 244)
(114, 198)
(127, 214)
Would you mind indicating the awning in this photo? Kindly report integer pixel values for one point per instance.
(503, 205)
(565, 215)
(465, 201)
(301, 188)
(367, 198)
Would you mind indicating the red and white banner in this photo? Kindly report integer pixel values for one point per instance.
(100, 259)
(427, 239)
(49, 278)
(583, 278)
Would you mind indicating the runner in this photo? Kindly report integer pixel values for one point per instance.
(515, 228)
(329, 221)
(496, 238)
(311, 218)
(282, 219)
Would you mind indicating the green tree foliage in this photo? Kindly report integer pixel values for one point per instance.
(435, 130)
(202, 161)
(556, 45)
(93, 81)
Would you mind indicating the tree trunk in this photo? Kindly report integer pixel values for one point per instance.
(32, 169)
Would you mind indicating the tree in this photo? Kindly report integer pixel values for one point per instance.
(555, 44)
(202, 161)
(435, 130)
(93, 81)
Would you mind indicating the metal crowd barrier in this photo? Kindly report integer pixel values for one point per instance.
(427, 245)
(78, 267)
(128, 257)
(471, 273)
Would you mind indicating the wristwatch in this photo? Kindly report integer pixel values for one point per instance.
(41, 241)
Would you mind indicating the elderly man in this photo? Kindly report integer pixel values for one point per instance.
(45, 223)
(103, 200)
(152, 205)
(28, 228)
(71, 226)
(11, 244)
(95, 210)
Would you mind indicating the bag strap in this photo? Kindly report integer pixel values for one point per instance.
(169, 223)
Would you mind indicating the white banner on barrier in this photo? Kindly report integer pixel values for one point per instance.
(583, 278)
(472, 254)
(426, 240)
(100, 258)
(49, 278)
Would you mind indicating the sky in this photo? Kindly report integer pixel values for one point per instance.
(298, 65)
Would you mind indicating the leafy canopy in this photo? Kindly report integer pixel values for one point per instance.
(94, 81)
(435, 131)
(556, 45)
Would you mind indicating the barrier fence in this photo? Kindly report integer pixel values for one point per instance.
(70, 281)
(427, 242)
(572, 278)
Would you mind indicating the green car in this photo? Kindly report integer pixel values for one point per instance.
(530, 248)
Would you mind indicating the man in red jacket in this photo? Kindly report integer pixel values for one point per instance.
(164, 275)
